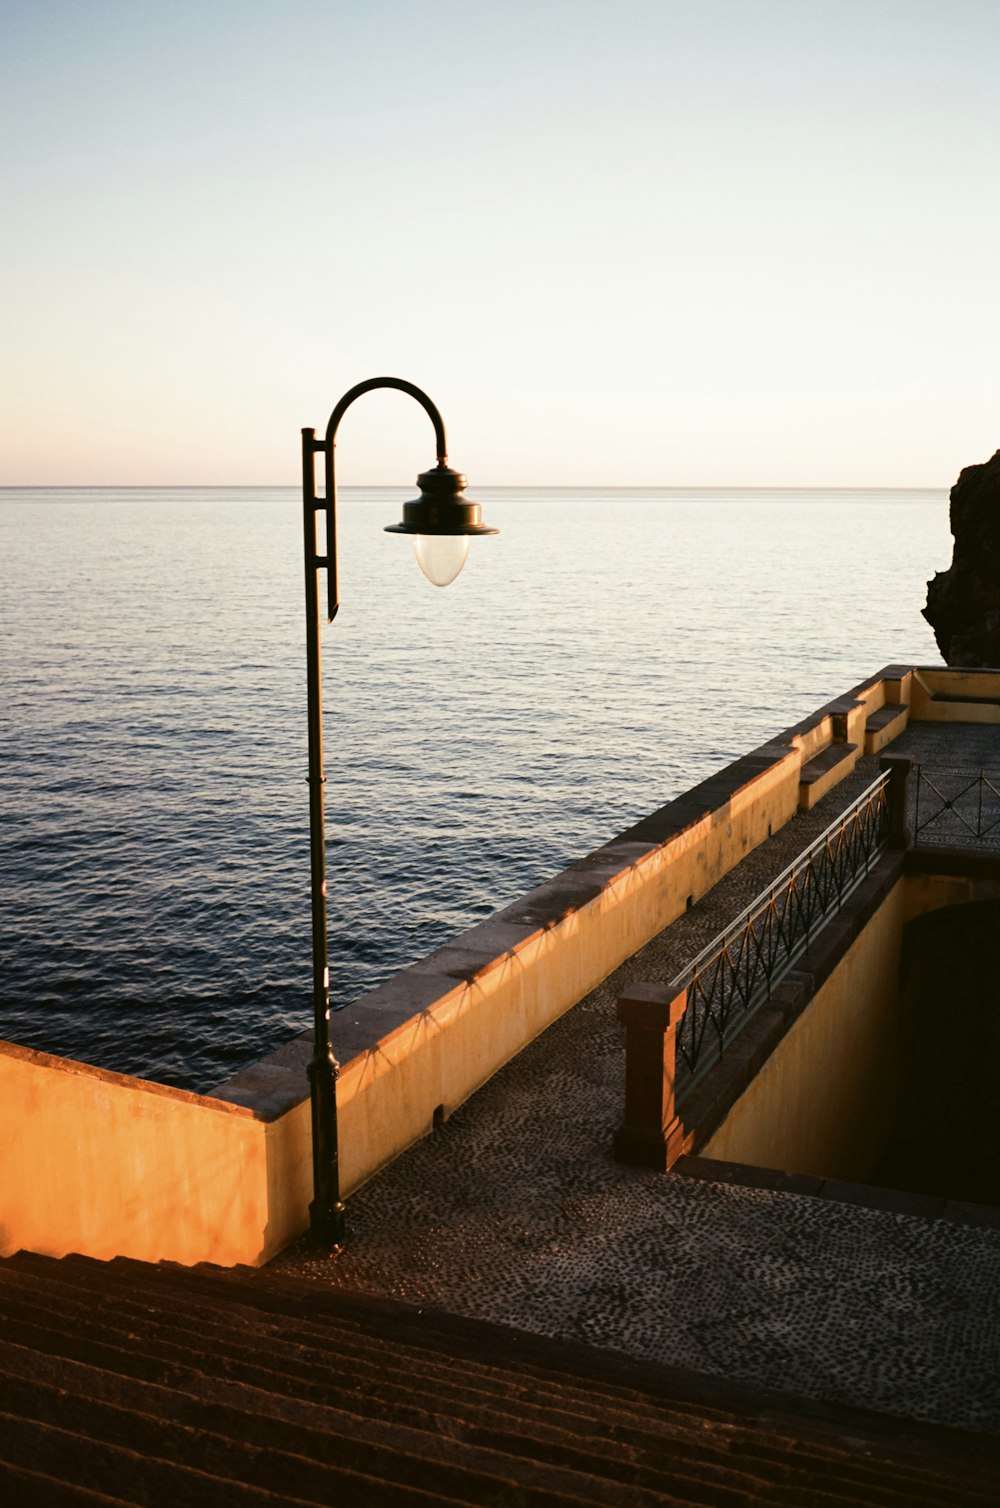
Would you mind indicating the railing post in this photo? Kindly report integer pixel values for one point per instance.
(650, 1014)
(899, 767)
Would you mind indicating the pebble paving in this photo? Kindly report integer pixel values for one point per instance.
(514, 1211)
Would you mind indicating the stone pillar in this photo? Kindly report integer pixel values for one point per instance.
(899, 767)
(650, 1013)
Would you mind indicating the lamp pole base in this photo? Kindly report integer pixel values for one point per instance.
(327, 1226)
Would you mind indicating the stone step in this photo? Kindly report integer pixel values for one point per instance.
(609, 1448)
(951, 707)
(513, 1402)
(304, 1311)
(820, 773)
(23, 1488)
(301, 1427)
(965, 699)
(245, 1387)
(228, 1445)
(883, 726)
(508, 1383)
(432, 1432)
(602, 1448)
(103, 1467)
(503, 1413)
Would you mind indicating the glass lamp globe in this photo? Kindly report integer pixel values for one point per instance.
(441, 523)
(441, 556)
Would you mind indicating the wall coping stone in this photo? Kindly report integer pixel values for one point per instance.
(54, 1063)
(868, 1196)
(277, 1083)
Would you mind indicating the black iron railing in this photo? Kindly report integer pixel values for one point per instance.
(955, 807)
(735, 975)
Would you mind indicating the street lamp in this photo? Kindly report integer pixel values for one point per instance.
(441, 523)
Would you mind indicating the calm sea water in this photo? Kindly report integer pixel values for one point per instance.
(602, 653)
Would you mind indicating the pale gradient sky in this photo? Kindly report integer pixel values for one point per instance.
(664, 242)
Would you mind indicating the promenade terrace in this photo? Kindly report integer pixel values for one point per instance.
(515, 1211)
(786, 1306)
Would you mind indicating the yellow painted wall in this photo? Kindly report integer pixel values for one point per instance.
(958, 682)
(873, 698)
(99, 1163)
(387, 1095)
(103, 1164)
(927, 711)
(972, 683)
(900, 689)
(825, 1100)
(856, 720)
(929, 892)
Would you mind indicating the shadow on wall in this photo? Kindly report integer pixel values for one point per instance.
(946, 1140)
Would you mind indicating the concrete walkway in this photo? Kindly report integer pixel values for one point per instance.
(514, 1211)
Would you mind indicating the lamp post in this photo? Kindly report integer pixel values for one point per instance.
(441, 523)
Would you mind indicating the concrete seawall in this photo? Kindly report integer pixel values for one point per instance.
(159, 1174)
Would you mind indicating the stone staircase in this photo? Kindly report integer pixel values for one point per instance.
(122, 1383)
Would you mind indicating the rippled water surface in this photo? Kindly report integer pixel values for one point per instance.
(602, 653)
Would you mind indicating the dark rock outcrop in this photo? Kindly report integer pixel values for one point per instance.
(963, 603)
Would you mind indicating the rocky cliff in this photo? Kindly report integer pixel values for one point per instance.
(963, 603)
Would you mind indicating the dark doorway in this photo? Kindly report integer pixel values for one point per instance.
(946, 1140)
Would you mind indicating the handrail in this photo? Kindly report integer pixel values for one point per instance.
(735, 974)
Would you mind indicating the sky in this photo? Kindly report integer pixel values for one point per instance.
(618, 242)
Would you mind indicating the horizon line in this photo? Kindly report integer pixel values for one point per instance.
(492, 486)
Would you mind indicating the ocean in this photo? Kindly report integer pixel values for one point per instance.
(605, 651)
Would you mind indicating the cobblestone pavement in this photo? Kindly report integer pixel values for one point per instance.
(955, 805)
(514, 1211)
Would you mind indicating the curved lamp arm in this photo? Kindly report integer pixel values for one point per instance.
(403, 387)
(328, 505)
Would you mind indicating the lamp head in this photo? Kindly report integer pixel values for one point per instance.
(441, 523)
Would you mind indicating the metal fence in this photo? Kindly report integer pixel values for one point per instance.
(955, 807)
(735, 975)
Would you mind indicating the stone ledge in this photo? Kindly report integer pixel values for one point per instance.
(826, 767)
(277, 1083)
(863, 1195)
(883, 726)
(964, 863)
(53, 1063)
